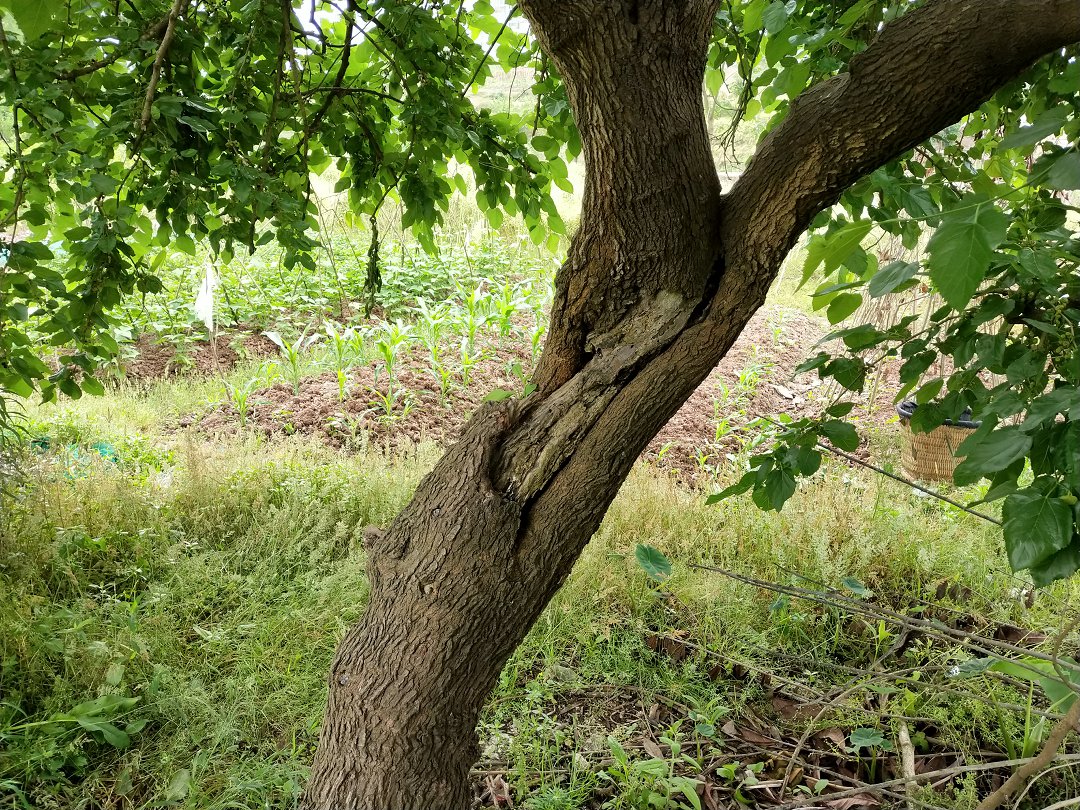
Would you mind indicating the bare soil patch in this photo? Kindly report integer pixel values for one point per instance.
(756, 379)
(155, 359)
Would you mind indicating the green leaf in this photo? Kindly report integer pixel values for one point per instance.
(1045, 125)
(34, 17)
(498, 395)
(775, 16)
(653, 562)
(843, 306)
(841, 434)
(92, 386)
(179, 786)
(1065, 173)
(857, 588)
(1036, 526)
(866, 738)
(891, 276)
(961, 248)
(989, 452)
(752, 16)
(742, 485)
(1061, 565)
(778, 486)
(111, 734)
(832, 249)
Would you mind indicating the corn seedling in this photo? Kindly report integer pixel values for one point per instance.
(470, 359)
(388, 345)
(473, 314)
(432, 322)
(386, 402)
(506, 304)
(340, 345)
(342, 385)
(294, 354)
(239, 396)
(358, 346)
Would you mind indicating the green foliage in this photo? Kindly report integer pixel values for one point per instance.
(137, 131)
(983, 200)
(211, 579)
(653, 562)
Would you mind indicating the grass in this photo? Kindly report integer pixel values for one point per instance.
(169, 605)
(212, 581)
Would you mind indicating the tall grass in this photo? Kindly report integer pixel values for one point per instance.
(212, 583)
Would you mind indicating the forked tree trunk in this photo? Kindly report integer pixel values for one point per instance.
(660, 280)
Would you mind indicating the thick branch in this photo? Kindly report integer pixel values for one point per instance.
(925, 71)
(159, 61)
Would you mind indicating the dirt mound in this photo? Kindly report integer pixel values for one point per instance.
(756, 379)
(156, 359)
(373, 412)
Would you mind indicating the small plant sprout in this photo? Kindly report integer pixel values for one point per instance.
(388, 345)
(340, 345)
(536, 338)
(506, 304)
(239, 396)
(342, 384)
(294, 354)
(473, 314)
(470, 359)
(358, 345)
(432, 323)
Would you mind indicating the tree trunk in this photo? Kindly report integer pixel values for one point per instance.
(659, 282)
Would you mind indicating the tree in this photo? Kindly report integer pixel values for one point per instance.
(209, 115)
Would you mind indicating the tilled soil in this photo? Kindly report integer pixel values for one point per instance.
(157, 359)
(756, 379)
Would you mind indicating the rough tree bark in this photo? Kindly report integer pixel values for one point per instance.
(662, 276)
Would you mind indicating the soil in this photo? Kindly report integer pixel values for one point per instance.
(756, 379)
(155, 359)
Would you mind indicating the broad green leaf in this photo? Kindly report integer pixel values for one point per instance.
(867, 738)
(742, 485)
(498, 395)
(1036, 526)
(1065, 173)
(34, 17)
(775, 16)
(832, 249)
(1061, 565)
(962, 246)
(990, 452)
(843, 306)
(752, 16)
(841, 434)
(772, 493)
(1047, 124)
(111, 734)
(891, 276)
(653, 562)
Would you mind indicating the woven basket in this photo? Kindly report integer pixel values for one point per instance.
(930, 456)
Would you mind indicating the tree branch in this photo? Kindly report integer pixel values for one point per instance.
(154, 32)
(159, 60)
(924, 71)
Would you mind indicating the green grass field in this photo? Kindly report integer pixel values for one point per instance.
(171, 602)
